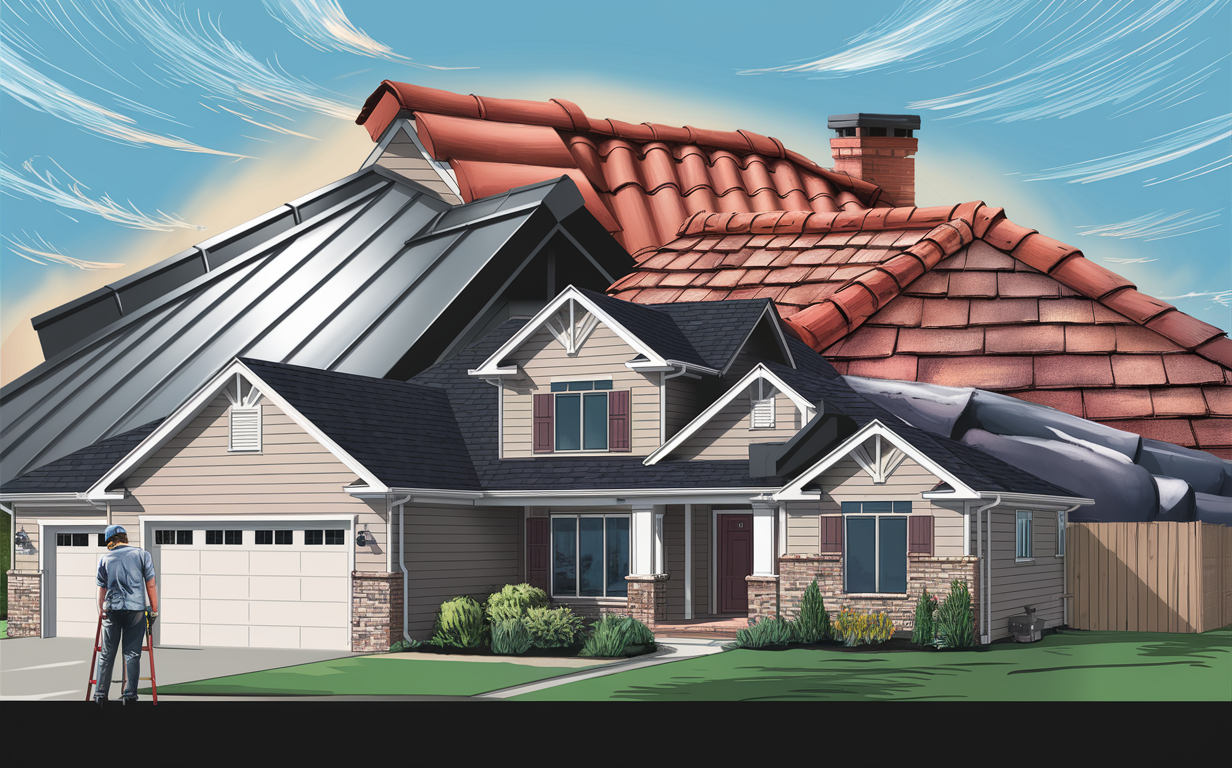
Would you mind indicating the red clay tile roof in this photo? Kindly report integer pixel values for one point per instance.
(961, 296)
(640, 181)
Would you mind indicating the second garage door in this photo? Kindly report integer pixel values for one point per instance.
(255, 585)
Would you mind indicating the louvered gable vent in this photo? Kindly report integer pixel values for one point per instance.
(245, 429)
(763, 413)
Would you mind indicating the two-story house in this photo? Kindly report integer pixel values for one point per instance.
(674, 462)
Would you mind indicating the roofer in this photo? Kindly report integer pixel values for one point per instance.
(125, 576)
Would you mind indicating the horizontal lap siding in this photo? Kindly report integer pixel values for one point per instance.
(542, 358)
(403, 157)
(727, 435)
(673, 554)
(701, 560)
(292, 475)
(1014, 584)
(457, 551)
(803, 533)
(681, 404)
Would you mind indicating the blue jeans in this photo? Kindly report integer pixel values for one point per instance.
(130, 625)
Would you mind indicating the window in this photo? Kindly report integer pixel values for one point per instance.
(164, 537)
(218, 537)
(1022, 535)
(335, 537)
(1061, 533)
(875, 546)
(265, 537)
(590, 555)
(314, 537)
(75, 540)
(183, 537)
(245, 429)
(282, 537)
(101, 541)
(581, 415)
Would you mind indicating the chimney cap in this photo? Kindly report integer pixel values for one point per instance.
(867, 120)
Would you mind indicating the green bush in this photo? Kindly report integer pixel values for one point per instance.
(766, 632)
(813, 625)
(617, 636)
(459, 624)
(925, 627)
(510, 637)
(553, 627)
(513, 600)
(855, 628)
(955, 627)
(404, 645)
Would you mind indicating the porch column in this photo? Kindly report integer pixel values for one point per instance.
(642, 545)
(763, 583)
(647, 601)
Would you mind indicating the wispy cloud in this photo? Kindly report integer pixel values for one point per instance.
(47, 187)
(41, 252)
(323, 25)
(1062, 59)
(1159, 150)
(1154, 226)
(39, 92)
(1120, 260)
(1223, 298)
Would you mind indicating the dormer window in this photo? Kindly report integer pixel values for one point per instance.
(245, 429)
(582, 416)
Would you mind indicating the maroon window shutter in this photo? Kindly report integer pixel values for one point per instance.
(543, 423)
(618, 421)
(920, 534)
(537, 552)
(832, 534)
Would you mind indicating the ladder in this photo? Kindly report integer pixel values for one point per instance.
(149, 647)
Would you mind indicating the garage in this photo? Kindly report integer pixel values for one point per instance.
(253, 583)
(75, 568)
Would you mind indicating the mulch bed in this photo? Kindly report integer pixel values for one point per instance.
(570, 652)
(893, 645)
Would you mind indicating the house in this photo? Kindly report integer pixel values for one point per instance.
(674, 461)
(953, 295)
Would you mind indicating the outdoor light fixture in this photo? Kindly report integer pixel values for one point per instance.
(22, 539)
(362, 539)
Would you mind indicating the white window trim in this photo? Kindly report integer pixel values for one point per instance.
(1031, 533)
(607, 443)
(577, 545)
(876, 551)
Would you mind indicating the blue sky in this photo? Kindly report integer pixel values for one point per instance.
(131, 130)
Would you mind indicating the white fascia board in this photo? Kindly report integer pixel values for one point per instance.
(770, 316)
(759, 371)
(490, 367)
(61, 522)
(48, 499)
(623, 496)
(1034, 499)
(245, 518)
(192, 407)
(793, 491)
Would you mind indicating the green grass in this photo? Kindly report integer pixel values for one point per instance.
(4, 629)
(1068, 666)
(372, 676)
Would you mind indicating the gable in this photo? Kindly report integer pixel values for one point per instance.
(399, 151)
(728, 433)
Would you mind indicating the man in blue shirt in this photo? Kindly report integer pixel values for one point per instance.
(125, 576)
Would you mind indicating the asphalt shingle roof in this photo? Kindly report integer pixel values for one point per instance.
(79, 470)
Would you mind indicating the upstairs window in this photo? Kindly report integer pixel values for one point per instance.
(245, 429)
(581, 416)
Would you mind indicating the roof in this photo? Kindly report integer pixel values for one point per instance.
(79, 470)
(641, 181)
(374, 276)
(960, 296)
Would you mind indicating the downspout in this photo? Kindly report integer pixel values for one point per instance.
(985, 565)
(406, 619)
(1065, 571)
(12, 537)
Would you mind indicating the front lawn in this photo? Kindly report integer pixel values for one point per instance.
(376, 676)
(1068, 666)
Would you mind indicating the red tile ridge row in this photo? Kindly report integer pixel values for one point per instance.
(812, 222)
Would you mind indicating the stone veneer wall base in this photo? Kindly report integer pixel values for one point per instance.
(25, 603)
(648, 598)
(376, 611)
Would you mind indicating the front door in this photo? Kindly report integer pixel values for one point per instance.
(735, 562)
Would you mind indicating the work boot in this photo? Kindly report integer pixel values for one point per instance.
(100, 700)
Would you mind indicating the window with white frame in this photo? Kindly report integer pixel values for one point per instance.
(581, 415)
(875, 546)
(590, 555)
(1061, 533)
(1023, 538)
(245, 429)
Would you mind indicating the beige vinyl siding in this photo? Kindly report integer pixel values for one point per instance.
(701, 560)
(454, 551)
(847, 481)
(1018, 584)
(293, 475)
(681, 404)
(727, 434)
(803, 529)
(541, 358)
(404, 158)
(673, 555)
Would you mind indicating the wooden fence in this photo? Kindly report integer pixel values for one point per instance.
(1149, 577)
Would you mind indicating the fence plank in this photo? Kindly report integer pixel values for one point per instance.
(1101, 535)
(1118, 555)
(1152, 575)
(1133, 582)
(1167, 566)
(1081, 565)
(1144, 566)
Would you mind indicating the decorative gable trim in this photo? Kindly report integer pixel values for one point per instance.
(191, 408)
(759, 373)
(492, 366)
(878, 466)
(794, 491)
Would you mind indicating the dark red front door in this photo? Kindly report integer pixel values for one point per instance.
(735, 562)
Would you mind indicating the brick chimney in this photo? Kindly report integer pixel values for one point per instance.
(878, 149)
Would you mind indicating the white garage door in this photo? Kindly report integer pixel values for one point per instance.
(76, 571)
(255, 585)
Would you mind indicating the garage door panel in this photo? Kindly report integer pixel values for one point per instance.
(224, 587)
(323, 589)
(76, 628)
(274, 637)
(185, 561)
(184, 586)
(303, 614)
(331, 639)
(176, 609)
(274, 587)
(224, 562)
(224, 635)
(77, 563)
(274, 563)
(226, 612)
(77, 586)
(178, 634)
(321, 563)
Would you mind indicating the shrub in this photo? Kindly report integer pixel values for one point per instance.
(813, 625)
(404, 645)
(955, 627)
(510, 637)
(617, 636)
(855, 628)
(766, 632)
(925, 628)
(552, 627)
(459, 624)
(513, 600)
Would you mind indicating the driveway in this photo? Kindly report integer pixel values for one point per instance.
(57, 668)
